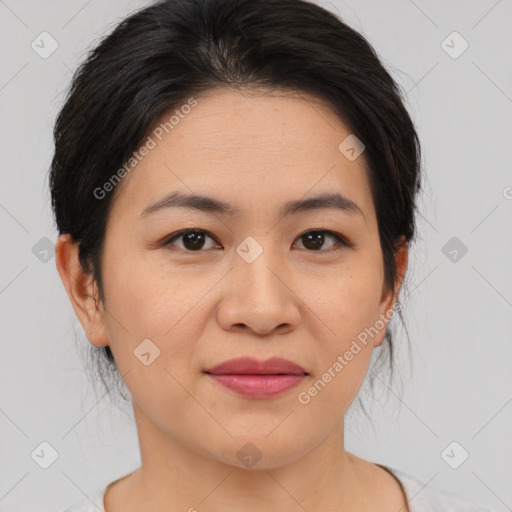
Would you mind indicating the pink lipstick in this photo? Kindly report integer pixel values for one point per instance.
(257, 379)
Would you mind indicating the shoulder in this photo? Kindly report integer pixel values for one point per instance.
(92, 504)
(424, 498)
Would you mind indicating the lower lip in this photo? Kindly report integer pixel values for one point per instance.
(258, 386)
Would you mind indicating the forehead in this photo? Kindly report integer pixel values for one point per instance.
(250, 149)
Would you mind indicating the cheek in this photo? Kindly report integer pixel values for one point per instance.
(348, 302)
(333, 390)
(141, 305)
(138, 293)
(347, 311)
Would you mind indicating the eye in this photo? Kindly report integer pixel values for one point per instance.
(314, 240)
(193, 239)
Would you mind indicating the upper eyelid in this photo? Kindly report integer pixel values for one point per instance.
(183, 232)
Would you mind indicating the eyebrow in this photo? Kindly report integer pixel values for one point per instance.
(212, 205)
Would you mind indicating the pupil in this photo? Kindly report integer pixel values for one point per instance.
(194, 240)
(317, 239)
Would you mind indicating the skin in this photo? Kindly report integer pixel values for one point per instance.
(206, 306)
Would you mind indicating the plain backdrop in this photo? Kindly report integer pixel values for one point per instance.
(458, 310)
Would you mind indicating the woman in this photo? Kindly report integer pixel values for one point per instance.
(234, 184)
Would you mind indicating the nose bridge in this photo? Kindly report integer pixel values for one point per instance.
(257, 264)
(257, 295)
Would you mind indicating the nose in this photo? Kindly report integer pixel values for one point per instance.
(259, 297)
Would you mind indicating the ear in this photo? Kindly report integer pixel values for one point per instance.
(82, 291)
(388, 299)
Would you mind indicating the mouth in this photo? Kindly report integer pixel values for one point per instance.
(257, 379)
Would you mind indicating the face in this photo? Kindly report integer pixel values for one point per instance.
(252, 282)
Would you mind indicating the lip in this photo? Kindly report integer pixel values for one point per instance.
(251, 366)
(257, 379)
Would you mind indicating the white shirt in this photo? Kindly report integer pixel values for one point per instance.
(419, 497)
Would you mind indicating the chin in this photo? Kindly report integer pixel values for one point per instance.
(259, 452)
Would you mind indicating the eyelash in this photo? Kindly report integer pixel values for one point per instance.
(341, 241)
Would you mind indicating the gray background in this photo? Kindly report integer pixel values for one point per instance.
(457, 312)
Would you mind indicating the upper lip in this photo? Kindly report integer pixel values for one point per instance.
(251, 366)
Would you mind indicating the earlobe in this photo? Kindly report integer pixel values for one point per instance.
(81, 290)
